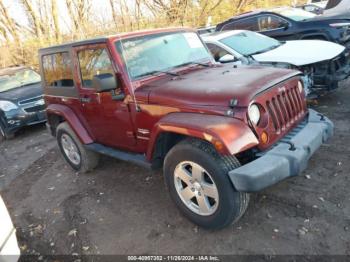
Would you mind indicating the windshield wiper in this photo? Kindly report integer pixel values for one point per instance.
(157, 72)
(194, 63)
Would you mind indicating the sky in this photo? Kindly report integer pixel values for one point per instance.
(101, 9)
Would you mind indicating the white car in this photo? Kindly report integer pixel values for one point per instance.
(337, 8)
(317, 59)
(9, 250)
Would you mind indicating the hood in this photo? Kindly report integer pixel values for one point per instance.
(22, 93)
(213, 86)
(302, 52)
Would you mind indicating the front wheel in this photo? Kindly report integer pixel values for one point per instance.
(2, 134)
(198, 182)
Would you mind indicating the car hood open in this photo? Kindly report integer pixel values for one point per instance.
(213, 86)
(302, 52)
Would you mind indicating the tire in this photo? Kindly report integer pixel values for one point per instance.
(74, 152)
(2, 134)
(191, 155)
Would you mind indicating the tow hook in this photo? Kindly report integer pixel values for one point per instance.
(292, 146)
(321, 117)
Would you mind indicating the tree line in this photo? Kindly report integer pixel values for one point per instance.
(47, 22)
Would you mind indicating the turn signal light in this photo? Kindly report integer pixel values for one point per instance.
(218, 145)
(264, 137)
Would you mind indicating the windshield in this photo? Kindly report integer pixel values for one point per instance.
(18, 79)
(150, 54)
(248, 43)
(295, 13)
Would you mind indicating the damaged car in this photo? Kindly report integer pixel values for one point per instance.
(21, 100)
(323, 63)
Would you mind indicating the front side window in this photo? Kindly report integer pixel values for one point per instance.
(250, 24)
(217, 51)
(151, 54)
(94, 62)
(249, 43)
(15, 79)
(270, 22)
(57, 70)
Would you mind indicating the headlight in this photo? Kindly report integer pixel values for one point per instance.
(254, 114)
(7, 105)
(300, 87)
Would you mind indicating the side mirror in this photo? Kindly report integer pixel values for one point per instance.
(104, 83)
(227, 59)
(285, 25)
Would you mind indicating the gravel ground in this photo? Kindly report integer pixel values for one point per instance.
(123, 209)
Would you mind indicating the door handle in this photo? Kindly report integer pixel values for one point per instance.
(85, 99)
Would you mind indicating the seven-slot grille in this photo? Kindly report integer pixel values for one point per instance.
(285, 108)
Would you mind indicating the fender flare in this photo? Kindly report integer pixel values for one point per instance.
(232, 135)
(72, 119)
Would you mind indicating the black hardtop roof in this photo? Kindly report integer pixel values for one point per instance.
(65, 46)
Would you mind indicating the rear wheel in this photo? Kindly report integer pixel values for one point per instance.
(74, 152)
(198, 182)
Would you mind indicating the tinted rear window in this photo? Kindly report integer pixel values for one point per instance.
(57, 70)
(250, 24)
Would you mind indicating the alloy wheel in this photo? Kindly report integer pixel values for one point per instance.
(70, 149)
(196, 188)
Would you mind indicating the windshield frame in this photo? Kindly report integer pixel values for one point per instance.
(117, 43)
(12, 74)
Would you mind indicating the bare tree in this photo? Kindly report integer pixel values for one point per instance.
(57, 28)
(8, 26)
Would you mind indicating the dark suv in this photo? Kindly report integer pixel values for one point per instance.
(21, 100)
(158, 99)
(287, 23)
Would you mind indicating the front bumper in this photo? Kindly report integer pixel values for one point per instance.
(13, 121)
(328, 74)
(283, 161)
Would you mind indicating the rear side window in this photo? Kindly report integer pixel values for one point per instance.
(57, 70)
(94, 62)
(250, 24)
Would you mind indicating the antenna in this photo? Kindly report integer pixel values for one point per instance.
(138, 109)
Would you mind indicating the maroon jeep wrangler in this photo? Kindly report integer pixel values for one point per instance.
(158, 99)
